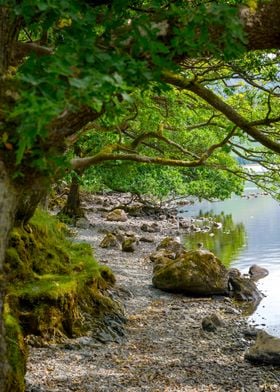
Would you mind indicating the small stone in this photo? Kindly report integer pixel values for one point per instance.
(109, 241)
(117, 215)
(82, 223)
(212, 323)
(266, 349)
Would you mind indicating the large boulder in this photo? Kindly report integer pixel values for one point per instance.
(266, 349)
(117, 215)
(196, 272)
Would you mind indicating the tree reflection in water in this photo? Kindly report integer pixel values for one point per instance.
(225, 242)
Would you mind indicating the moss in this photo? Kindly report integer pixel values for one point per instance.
(17, 352)
(53, 281)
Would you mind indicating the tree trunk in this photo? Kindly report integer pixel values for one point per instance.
(8, 200)
(72, 207)
(30, 197)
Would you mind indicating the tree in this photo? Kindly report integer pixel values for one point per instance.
(63, 65)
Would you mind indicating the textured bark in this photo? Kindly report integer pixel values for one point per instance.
(262, 25)
(72, 207)
(7, 207)
(35, 190)
(9, 30)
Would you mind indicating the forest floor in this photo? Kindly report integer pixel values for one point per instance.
(165, 348)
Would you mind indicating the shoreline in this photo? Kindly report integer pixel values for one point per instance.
(165, 347)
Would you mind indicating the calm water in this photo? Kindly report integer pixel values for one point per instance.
(250, 235)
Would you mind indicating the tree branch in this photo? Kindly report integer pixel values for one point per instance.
(216, 102)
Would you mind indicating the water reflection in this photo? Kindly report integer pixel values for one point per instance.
(258, 244)
(225, 242)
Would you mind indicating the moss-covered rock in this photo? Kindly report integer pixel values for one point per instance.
(117, 215)
(193, 272)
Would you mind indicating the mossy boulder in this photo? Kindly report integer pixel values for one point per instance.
(194, 272)
(110, 241)
(129, 243)
(117, 215)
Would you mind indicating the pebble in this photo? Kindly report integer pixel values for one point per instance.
(164, 347)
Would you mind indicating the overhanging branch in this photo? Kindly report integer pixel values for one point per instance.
(216, 102)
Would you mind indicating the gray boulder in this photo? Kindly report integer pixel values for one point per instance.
(266, 349)
(192, 272)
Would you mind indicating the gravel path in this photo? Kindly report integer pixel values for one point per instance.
(165, 348)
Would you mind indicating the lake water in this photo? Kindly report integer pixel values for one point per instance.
(250, 235)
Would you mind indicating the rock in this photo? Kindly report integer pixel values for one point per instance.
(147, 239)
(153, 228)
(250, 332)
(117, 215)
(171, 245)
(194, 272)
(184, 224)
(82, 223)
(129, 244)
(109, 241)
(212, 323)
(244, 289)
(256, 272)
(234, 272)
(266, 349)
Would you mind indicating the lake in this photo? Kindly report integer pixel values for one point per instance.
(249, 235)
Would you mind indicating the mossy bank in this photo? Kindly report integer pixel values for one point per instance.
(55, 289)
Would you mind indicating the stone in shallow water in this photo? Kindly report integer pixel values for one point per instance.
(266, 349)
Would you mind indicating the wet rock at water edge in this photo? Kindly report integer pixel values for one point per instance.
(244, 289)
(257, 272)
(265, 350)
(212, 323)
(117, 215)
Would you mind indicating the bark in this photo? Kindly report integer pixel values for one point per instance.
(9, 30)
(8, 201)
(72, 207)
(31, 194)
(262, 27)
